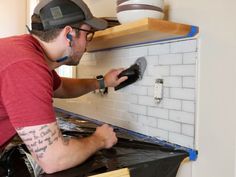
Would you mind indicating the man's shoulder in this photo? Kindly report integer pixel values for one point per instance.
(19, 46)
(18, 49)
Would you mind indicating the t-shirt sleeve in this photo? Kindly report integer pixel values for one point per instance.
(27, 89)
(56, 80)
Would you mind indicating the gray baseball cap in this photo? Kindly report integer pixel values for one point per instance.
(50, 14)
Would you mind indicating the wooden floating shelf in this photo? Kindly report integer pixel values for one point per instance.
(144, 31)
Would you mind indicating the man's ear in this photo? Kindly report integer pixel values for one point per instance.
(67, 33)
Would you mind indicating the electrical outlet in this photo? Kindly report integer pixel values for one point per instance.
(158, 90)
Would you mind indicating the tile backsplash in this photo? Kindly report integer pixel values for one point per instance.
(134, 107)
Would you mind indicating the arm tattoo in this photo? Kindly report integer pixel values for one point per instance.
(41, 138)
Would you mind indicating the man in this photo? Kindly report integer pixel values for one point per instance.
(61, 29)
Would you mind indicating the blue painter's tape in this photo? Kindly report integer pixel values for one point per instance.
(193, 31)
(192, 154)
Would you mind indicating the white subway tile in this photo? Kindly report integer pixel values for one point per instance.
(159, 49)
(110, 62)
(110, 120)
(114, 63)
(189, 82)
(131, 60)
(190, 58)
(188, 106)
(183, 46)
(158, 112)
(146, 100)
(100, 55)
(166, 92)
(87, 56)
(159, 104)
(138, 109)
(109, 112)
(188, 130)
(158, 71)
(134, 107)
(152, 60)
(142, 119)
(171, 104)
(182, 93)
(147, 81)
(138, 51)
(183, 70)
(160, 134)
(117, 95)
(88, 60)
(124, 91)
(122, 105)
(138, 127)
(152, 122)
(169, 125)
(138, 90)
(126, 62)
(182, 117)
(104, 102)
(149, 121)
(172, 81)
(104, 55)
(132, 98)
(170, 59)
(181, 140)
(131, 117)
(151, 91)
(120, 53)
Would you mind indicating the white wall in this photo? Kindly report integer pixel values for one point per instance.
(217, 88)
(102, 8)
(216, 111)
(12, 17)
(30, 9)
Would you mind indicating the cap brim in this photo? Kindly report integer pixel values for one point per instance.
(97, 23)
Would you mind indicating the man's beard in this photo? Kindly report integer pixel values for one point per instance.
(71, 62)
(74, 59)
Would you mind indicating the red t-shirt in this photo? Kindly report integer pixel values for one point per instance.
(26, 86)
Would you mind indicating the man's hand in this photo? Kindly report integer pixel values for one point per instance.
(106, 136)
(111, 78)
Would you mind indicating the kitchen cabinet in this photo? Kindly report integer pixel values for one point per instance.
(144, 31)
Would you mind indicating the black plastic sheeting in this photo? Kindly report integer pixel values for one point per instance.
(142, 159)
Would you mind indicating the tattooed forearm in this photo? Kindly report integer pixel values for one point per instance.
(40, 138)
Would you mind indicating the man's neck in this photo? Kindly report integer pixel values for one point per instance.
(50, 53)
